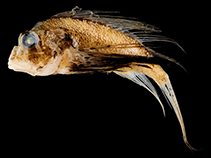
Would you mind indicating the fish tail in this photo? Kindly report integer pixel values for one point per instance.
(142, 80)
(138, 75)
(170, 96)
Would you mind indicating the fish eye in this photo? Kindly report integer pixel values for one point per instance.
(30, 40)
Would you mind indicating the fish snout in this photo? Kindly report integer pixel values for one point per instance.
(17, 62)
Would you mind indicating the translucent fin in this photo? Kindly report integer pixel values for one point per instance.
(141, 31)
(157, 38)
(168, 92)
(119, 22)
(142, 80)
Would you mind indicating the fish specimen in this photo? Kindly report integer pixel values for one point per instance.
(83, 41)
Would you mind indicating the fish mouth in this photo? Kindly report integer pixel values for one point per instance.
(23, 67)
(32, 69)
(19, 64)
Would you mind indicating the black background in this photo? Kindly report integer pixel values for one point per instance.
(104, 114)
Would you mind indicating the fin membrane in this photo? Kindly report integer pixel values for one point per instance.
(142, 80)
(168, 92)
(170, 96)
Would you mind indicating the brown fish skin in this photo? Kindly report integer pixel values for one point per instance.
(41, 59)
(75, 36)
(82, 34)
(90, 34)
(71, 45)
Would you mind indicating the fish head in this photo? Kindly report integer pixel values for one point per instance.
(38, 52)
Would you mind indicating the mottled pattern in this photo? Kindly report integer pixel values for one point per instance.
(82, 41)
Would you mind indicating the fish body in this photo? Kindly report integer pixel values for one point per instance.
(65, 39)
(83, 41)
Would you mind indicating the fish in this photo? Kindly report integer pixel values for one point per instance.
(84, 41)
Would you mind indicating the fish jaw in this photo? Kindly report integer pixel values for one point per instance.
(22, 64)
(23, 67)
(19, 64)
(28, 67)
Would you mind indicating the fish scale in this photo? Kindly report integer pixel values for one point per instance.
(84, 41)
(101, 35)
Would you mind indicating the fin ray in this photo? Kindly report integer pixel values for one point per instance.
(167, 90)
(142, 80)
(119, 22)
(170, 96)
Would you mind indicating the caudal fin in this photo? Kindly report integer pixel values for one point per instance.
(170, 96)
(138, 75)
(141, 80)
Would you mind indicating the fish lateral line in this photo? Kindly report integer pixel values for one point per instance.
(122, 46)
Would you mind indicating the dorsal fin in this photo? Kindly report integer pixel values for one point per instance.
(71, 13)
(139, 30)
(118, 22)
